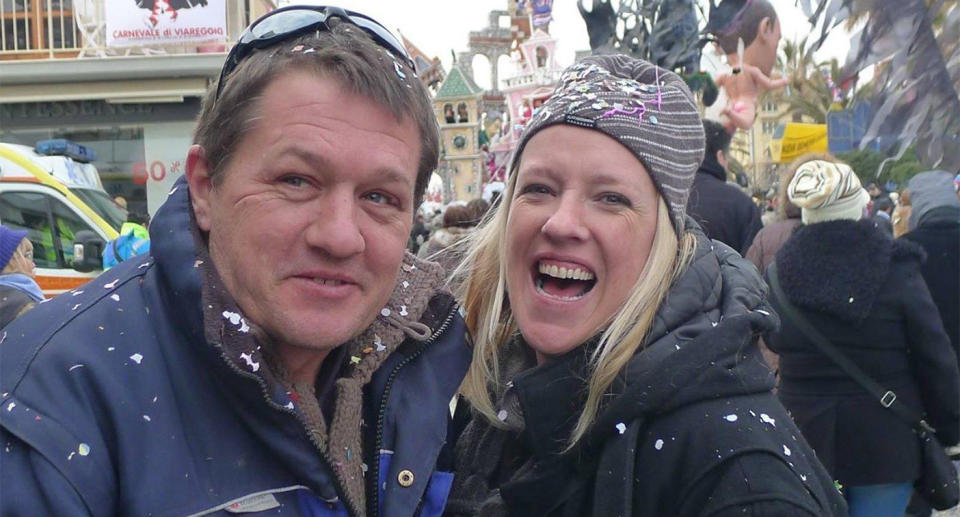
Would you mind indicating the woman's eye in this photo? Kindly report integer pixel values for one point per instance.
(615, 199)
(535, 188)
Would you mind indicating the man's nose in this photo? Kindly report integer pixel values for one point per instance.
(337, 230)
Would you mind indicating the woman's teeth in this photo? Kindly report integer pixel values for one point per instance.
(563, 273)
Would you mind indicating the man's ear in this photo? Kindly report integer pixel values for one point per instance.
(766, 28)
(722, 158)
(201, 186)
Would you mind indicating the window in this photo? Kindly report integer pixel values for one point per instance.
(462, 115)
(770, 106)
(769, 127)
(51, 224)
(448, 115)
(29, 25)
(541, 57)
(30, 211)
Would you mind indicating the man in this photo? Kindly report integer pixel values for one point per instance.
(724, 211)
(935, 225)
(277, 349)
(882, 213)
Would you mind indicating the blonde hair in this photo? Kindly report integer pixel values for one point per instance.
(19, 263)
(492, 325)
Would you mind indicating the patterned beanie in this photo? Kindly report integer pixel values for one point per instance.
(9, 242)
(827, 191)
(644, 107)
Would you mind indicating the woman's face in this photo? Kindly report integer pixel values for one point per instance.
(581, 225)
(22, 260)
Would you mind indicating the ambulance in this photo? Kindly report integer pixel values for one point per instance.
(52, 191)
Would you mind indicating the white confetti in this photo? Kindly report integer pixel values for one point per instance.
(384, 312)
(4, 338)
(136, 358)
(403, 310)
(786, 450)
(850, 300)
(364, 467)
(767, 420)
(76, 293)
(70, 456)
(658, 445)
(380, 347)
(10, 406)
(174, 189)
(115, 297)
(83, 449)
(154, 400)
(406, 284)
(197, 263)
(237, 319)
(75, 307)
(621, 428)
(289, 405)
(74, 367)
(502, 415)
(248, 358)
(145, 264)
(146, 417)
(110, 349)
(803, 477)
(111, 285)
(714, 323)
(730, 418)
(761, 311)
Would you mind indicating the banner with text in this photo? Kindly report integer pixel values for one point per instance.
(154, 22)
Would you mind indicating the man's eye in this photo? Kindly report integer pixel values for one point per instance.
(378, 198)
(294, 181)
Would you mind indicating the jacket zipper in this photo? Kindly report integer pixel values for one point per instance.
(338, 482)
(375, 468)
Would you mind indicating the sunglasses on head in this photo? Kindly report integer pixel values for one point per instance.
(293, 21)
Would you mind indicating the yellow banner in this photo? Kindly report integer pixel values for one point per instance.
(797, 140)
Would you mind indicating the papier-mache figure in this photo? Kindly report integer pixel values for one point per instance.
(748, 32)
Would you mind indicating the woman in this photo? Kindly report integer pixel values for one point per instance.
(442, 246)
(769, 239)
(864, 292)
(614, 368)
(19, 291)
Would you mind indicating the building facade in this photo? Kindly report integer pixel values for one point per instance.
(63, 75)
(457, 106)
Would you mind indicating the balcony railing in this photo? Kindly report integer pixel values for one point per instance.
(48, 29)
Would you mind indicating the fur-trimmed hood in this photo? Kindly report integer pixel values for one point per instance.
(838, 267)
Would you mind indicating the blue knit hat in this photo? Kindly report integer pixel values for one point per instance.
(9, 241)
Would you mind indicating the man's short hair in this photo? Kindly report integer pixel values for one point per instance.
(745, 24)
(717, 138)
(344, 53)
(883, 204)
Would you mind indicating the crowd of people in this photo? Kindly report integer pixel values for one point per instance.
(300, 340)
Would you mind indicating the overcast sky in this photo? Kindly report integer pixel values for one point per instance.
(437, 26)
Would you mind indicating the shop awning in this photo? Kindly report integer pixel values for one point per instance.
(798, 139)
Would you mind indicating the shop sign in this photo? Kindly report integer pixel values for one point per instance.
(60, 113)
(164, 22)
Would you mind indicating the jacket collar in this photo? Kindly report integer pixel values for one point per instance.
(948, 216)
(838, 267)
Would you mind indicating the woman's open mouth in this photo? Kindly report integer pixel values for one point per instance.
(567, 283)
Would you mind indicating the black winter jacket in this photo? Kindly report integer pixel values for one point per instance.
(864, 292)
(693, 428)
(938, 232)
(724, 211)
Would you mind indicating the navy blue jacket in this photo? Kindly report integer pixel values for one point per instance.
(112, 402)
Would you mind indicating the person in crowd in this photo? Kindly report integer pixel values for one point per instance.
(458, 220)
(883, 214)
(419, 233)
(935, 226)
(864, 292)
(277, 350)
(478, 208)
(19, 291)
(134, 240)
(901, 214)
(724, 211)
(615, 370)
(769, 239)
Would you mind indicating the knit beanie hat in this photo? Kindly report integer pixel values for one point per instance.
(646, 108)
(9, 241)
(929, 190)
(827, 191)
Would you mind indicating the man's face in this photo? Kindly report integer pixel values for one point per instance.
(309, 223)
